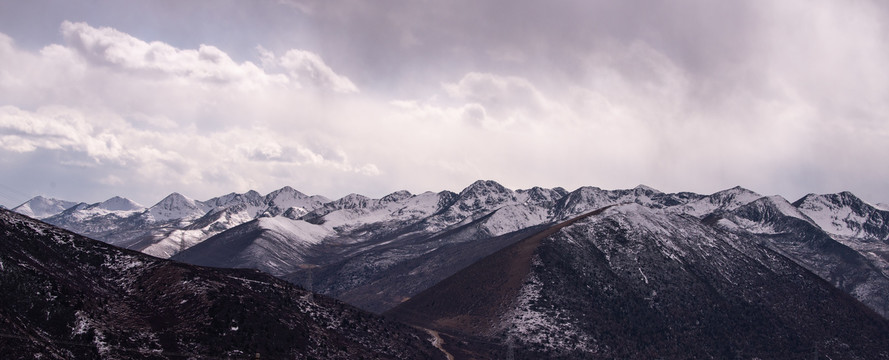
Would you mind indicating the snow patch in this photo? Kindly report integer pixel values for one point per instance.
(297, 230)
(837, 219)
(546, 328)
(82, 325)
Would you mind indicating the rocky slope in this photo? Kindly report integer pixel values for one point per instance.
(64, 296)
(635, 282)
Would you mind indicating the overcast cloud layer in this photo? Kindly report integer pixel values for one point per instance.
(141, 99)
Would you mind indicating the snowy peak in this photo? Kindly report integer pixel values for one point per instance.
(543, 197)
(290, 201)
(584, 199)
(249, 198)
(286, 189)
(835, 201)
(725, 200)
(483, 188)
(284, 193)
(734, 197)
(348, 202)
(352, 201)
(844, 214)
(766, 215)
(253, 197)
(396, 196)
(484, 195)
(41, 207)
(118, 203)
(645, 189)
(175, 206)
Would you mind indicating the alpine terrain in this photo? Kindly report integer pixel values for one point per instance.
(588, 273)
(629, 281)
(68, 297)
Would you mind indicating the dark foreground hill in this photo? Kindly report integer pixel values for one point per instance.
(634, 282)
(63, 296)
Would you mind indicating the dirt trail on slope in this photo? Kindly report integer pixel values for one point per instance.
(437, 341)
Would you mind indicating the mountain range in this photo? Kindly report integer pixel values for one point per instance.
(634, 273)
(355, 247)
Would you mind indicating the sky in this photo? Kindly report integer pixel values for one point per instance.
(144, 98)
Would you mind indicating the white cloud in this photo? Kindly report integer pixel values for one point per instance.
(57, 129)
(493, 100)
(113, 48)
(307, 67)
(107, 46)
(498, 91)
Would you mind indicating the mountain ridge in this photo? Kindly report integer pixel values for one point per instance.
(361, 241)
(636, 282)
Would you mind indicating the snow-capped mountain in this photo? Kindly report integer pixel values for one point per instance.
(725, 200)
(40, 207)
(119, 204)
(845, 215)
(631, 281)
(177, 222)
(662, 269)
(281, 244)
(175, 207)
(288, 199)
(68, 297)
(106, 217)
(377, 252)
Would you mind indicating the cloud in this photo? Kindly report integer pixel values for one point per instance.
(109, 47)
(307, 67)
(498, 92)
(782, 97)
(57, 129)
(184, 158)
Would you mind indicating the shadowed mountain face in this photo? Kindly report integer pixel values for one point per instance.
(64, 296)
(633, 282)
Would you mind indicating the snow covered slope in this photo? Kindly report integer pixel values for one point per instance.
(725, 200)
(275, 245)
(40, 207)
(175, 207)
(846, 215)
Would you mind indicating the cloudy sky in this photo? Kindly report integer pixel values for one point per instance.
(143, 98)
